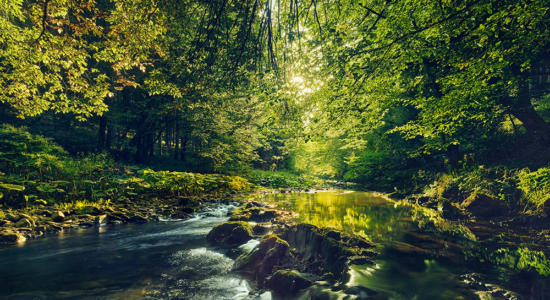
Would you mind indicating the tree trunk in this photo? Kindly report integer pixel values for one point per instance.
(101, 133)
(524, 111)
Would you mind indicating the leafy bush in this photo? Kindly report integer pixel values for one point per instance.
(282, 179)
(535, 186)
(522, 259)
(28, 155)
(499, 183)
(175, 184)
(41, 172)
(384, 171)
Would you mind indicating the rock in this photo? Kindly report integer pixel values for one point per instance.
(23, 222)
(450, 210)
(30, 218)
(325, 250)
(102, 219)
(230, 233)
(271, 254)
(485, 206)
(254, 204)
(86, 224)
(404, 248)
(360, 260)
(137, 219)
(255, 214)
(179, 215)
(260, 229)
(10, 237)
(117, 216)
(287, 282)
(12, 217)
(58, 216)
(90, 210)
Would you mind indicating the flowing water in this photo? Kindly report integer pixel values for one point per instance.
(171, 259)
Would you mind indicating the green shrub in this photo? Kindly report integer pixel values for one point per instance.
(282, 179)
(28, 155)
(385, 171)
(535, 186)
(175, 184)
(521, 259)
(499, 183)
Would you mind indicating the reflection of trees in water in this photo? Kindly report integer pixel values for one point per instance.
(360, 213)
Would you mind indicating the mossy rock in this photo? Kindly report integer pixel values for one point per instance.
(255, 214)
(325, 250)
(270, 255)
(287, 282)
(484, 205)
(10, 237)
(230, 233)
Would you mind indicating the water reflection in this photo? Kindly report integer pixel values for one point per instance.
(364, 213)
(394, 275)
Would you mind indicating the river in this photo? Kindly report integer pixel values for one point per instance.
(171, 259)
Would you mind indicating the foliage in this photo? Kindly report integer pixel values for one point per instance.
(522, 259)
(283, 179)
(176, 184)
(59, 55)
(497, 182)
(95, 178)
(535, 186)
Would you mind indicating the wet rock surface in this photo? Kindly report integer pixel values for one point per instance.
(20, 224)
(288, 282)
(230, 233)
(298, 256)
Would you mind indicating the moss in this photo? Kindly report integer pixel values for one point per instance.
(230, 233)
(521, 259)
(287, 282)
(272, 240)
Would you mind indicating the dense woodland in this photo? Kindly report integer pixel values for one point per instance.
(130, 111)
(389, 94)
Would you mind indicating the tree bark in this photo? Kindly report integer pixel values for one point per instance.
(101, 133)
(524, 111)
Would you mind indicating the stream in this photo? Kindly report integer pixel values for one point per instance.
(171, 259)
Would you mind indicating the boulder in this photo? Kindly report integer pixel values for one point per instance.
(287, 282)
(12, 217)
(117, 217)
(24, 222)
(451, 210)
(58, 216)
(260, 229)
(10, 237)
(137, 219)
(230, 233)
(360, 260)
(255, 214)
(305, 248)
(91, 210)
(101, 219)
(270, 255)
(324, 250)
(483, 205)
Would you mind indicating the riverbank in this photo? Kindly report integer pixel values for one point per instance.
(19, 225)
(485, 262)
(290, 256)
(44, 189)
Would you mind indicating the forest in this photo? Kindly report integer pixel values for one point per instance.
(135, 110)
